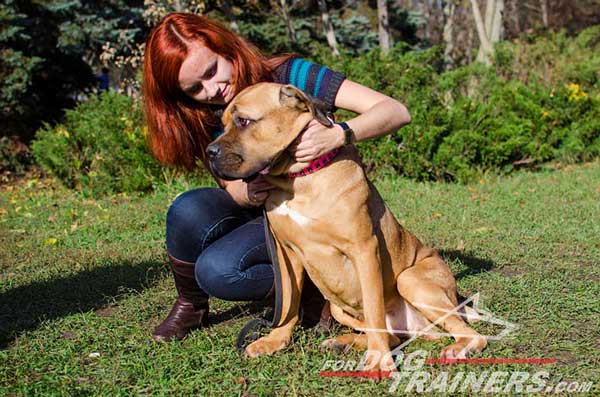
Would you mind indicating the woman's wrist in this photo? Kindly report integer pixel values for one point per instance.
(339, 136)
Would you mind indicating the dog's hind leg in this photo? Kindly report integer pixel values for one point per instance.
(429, 286)
(355, 340)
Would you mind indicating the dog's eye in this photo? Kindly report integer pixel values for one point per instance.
(242, 122)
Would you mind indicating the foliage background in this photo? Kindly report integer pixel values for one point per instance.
(538, 102)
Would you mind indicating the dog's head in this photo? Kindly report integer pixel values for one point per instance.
(260, 123)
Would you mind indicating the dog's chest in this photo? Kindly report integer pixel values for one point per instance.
(294, 216)
(291, 221)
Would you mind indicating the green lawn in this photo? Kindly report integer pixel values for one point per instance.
(81, 276)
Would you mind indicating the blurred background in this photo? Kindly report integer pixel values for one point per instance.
(492, 85)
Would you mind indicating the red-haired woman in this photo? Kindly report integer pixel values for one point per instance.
(193, 67)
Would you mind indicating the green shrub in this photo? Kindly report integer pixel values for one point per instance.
(552, 60)
(478, 119)
(100, 148)
(465, 122)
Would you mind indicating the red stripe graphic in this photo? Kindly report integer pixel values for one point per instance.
(490, 361)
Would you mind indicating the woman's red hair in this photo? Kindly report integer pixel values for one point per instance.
(179, 127)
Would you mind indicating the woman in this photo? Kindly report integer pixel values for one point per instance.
(215, 242)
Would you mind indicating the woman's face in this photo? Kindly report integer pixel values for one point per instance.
(206, 76)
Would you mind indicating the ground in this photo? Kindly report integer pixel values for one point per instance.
(83, 281)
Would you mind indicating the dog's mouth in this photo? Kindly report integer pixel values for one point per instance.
(263, 171)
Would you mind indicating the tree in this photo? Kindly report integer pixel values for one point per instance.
(489, 32)
(328, 27)
(448, 34)
(285, 14)
(383, 26)
(48, 51)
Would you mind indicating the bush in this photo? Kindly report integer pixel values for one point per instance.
(465, 122)
(552, 60)
(100, 148)
(478, 119)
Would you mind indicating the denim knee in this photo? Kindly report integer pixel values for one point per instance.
(224, 280)
(190, 217)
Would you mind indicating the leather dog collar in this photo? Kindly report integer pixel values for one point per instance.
(316, 164)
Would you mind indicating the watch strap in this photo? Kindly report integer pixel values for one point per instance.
(348, 133)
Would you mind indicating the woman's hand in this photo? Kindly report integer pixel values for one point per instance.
(316, 140)
(252, 194)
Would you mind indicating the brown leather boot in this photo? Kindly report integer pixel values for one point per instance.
(190, 310)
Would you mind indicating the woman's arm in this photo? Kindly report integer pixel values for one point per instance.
(378, 114)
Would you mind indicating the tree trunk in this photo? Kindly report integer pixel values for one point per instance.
(425, 11)
(544, 6)
(470, 43)
(489, 32)
(328, 27)
(448, 35)
(496, 33)
(490, 11)
(485, 47)
(385, 39)
(288, 21)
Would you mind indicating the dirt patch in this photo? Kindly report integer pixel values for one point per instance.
(510, 271)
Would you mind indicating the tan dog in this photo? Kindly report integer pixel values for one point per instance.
(334, 225)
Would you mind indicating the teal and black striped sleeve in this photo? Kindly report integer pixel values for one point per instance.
(314, 79)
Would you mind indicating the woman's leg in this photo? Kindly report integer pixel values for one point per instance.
(194, 220)
(199, 217)
(237, 267)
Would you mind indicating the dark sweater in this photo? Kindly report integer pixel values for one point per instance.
(314, 79)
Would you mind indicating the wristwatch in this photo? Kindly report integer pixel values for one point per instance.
(349, 137)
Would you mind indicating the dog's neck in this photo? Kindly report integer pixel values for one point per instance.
(278, 175)
(286, 164)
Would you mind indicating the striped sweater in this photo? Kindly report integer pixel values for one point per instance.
(314, 79)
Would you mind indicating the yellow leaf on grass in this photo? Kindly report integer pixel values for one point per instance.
(50, 241)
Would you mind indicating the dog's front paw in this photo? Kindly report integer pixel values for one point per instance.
(265, 346)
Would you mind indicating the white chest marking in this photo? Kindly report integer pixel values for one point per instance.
(297, 217)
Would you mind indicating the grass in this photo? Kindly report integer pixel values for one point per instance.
(80, 276)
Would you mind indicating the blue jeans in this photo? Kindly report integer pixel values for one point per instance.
(226, 242)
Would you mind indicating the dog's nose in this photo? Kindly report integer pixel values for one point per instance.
(213, 150)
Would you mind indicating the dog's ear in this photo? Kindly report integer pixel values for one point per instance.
(295, 98)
